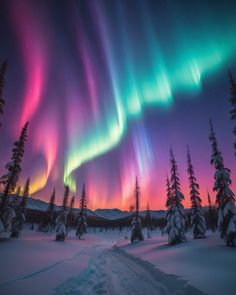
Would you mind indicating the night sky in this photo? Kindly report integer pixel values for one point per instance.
(109, 86)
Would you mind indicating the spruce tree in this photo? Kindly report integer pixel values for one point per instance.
(61, 220)
(81, 228)
(70, 214)
(3, 70)
(136, 226)
(19, 220)
(51, 205)
(66, 197)
(233, 102)
(224, 196)
(10, 179)
(48, 218)
(175, 215)
(198, 222)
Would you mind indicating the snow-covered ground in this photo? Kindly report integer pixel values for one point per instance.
(36, 264)
(206, 264)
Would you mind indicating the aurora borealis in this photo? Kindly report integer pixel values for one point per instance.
(108, 86)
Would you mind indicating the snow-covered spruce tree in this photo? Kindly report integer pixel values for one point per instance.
(136, 226)
(233, 103)
(148, 221)
(3, 70)
(20, 209)
(198, 222)
(175, 214)
(66, 197)
(81, 227)
(48, 218)
(9, 180)
(70, 214)
(224, 195)
(61, 220)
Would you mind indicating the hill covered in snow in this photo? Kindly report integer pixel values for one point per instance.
(109, 214)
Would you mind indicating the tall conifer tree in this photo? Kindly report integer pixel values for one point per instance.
(136, 226)
(61, 220)
(198, 222)
(9, 180)
(81, 228)
(175, 215)
(224, 196)
(66, 197)
(70, 214)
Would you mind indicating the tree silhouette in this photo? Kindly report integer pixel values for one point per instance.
(61, 220)
(66, 197)
(224, 195)
(13, 167)
(81, 228)
(198, 222)
(70, 214)
(175, 215)
(136, 227)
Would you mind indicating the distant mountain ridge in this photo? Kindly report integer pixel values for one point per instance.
(110, 214)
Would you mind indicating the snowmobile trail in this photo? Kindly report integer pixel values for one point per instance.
(114, 272)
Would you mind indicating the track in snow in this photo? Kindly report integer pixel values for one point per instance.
(114, 272)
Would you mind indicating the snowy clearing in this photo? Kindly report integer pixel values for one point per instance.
(206, 264)
(36, 264)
